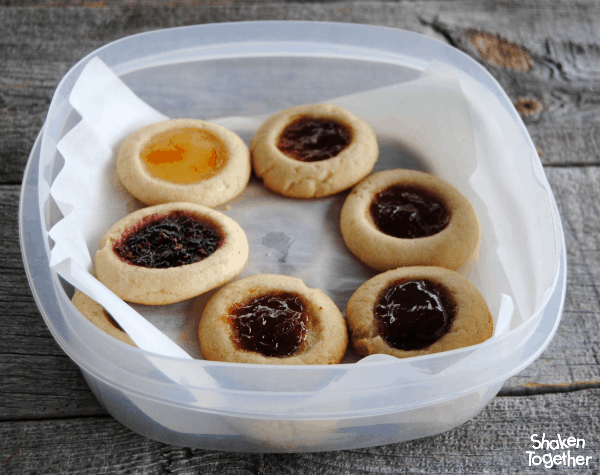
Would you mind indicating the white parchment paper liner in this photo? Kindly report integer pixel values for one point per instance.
(430, 121)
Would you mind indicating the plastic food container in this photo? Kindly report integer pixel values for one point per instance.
(256, 68)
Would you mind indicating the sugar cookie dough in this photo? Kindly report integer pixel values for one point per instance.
(272, 319)
(313, 151)
(398, 218)
(184, 160)
(96, 314)
(171, 252)
(414, 311)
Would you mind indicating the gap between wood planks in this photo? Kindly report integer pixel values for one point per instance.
(58, 416)
(571, 165)
(535, 389)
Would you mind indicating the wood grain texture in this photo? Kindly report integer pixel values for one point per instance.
(49, 420)
(563, 44)
(572, 360)
(573, 356)
(560, 37)
(23, 331)
(495, 441)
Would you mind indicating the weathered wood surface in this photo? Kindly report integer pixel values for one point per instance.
(573, 356)
(571, 361)
(558, 40)
(495, 441)
(547, 57)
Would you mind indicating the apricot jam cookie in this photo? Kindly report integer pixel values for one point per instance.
(414, 311)
(398, 218)
(312, 151)
(96, 314)
(272, 319)
(184, 160)
(171, 252)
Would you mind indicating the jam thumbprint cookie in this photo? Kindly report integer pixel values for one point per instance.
(171, 252)
(272, 319)
(312, 151)
(399, 218)
(96, 314)
(184, 160)
(414, 311)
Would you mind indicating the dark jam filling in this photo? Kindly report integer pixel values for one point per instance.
(173, 240)
(313, 140)
(408, 213)
(274, 325)
(413, 315)
(111, 320)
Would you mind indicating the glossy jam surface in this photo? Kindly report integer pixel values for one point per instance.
(170, 240)
(273, 325)
(313, 139)
(408, 213)
(182, 156)
(412, 315)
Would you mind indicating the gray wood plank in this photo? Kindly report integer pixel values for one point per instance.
(23, 330)
(102, 445)
(573, 357)
(560, 47)
(38, 378)
(495, 441)
(49, 420)
(560, 38)
(30, 357)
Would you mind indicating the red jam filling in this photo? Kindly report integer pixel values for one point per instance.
(273, 325)
(161, 241)
(412, 315)
(408, 213)
(313, 139)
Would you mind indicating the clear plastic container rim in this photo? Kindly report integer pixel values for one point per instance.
(397, 364)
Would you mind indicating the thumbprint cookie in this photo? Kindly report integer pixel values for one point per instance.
(313, 151)
(96, 314)
(397, 218)
(170, 252)
(272, 319)
(414, 311)
(184, 160)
